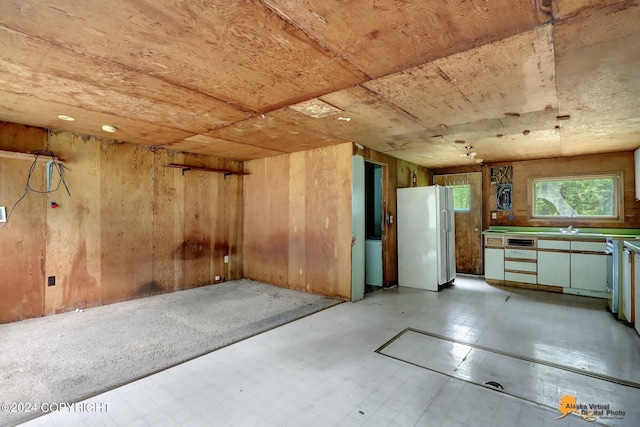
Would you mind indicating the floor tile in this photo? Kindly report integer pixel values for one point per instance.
(323, 370)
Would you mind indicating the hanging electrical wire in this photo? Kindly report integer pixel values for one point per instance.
(27, 187)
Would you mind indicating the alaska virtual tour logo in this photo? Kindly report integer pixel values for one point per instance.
(589, 412)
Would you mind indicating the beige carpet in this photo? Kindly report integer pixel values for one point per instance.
(71, 356)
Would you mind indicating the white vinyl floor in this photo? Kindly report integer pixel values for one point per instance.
(324, 370)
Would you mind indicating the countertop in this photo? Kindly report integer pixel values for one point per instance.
(634, 246)
(583, 233)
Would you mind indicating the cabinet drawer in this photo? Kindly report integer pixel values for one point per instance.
(520, 277)
(554, 244)
(520, 266)
(577, 245)
(520, 253)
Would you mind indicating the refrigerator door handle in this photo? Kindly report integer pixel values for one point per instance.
(445, 220)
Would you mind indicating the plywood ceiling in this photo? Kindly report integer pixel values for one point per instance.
(417, 79)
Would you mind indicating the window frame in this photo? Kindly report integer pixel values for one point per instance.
(618, 203)
(468, 186)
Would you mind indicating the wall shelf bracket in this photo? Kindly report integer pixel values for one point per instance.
(185, 168)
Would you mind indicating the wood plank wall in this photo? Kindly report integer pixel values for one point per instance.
(131, 228)
(22, 246)
(578, 165)
(398, 175)
(297, 220)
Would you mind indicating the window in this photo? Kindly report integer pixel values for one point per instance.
(595, 196)
(461, 197)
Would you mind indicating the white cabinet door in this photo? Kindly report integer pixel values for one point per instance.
(554, 268)
(373, 262)
(625, 282)
(494, 264)
(636, 284)
(589, 271)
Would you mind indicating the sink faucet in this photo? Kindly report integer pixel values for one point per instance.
(569, 228)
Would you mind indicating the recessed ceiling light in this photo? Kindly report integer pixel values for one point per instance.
(315, 108)
(109, 128)
(345, 119)
(66, 118)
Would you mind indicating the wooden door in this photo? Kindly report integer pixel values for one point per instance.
(468, 218)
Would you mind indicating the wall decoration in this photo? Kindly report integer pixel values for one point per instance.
(504, 193)
(501, 175)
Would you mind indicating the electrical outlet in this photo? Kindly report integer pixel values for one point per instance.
(51, 281)
(226, 259)
(494, 215)
(217, 278)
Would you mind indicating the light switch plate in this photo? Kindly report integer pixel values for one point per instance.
(494, 215)
(3, 214)
(226, 259)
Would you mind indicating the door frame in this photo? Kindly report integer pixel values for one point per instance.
(385, 216)
(477, 228)
(358, 233)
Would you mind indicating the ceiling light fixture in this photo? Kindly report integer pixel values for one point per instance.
(345, 119)
(109, 128)
(66, 118)
(315, 108)
(469, 154)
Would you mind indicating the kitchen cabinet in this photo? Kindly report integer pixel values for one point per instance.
(554, 263)
(520, 265)
(625, 283)
(554, 269)
(589, 271)
(494, 258)
(569, 264)
(636, 290)
(589, 267)
(494, 264)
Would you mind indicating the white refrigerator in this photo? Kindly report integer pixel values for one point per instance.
(426, 237)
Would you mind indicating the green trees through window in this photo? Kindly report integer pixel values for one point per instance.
(576, 197)
(461, 197)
